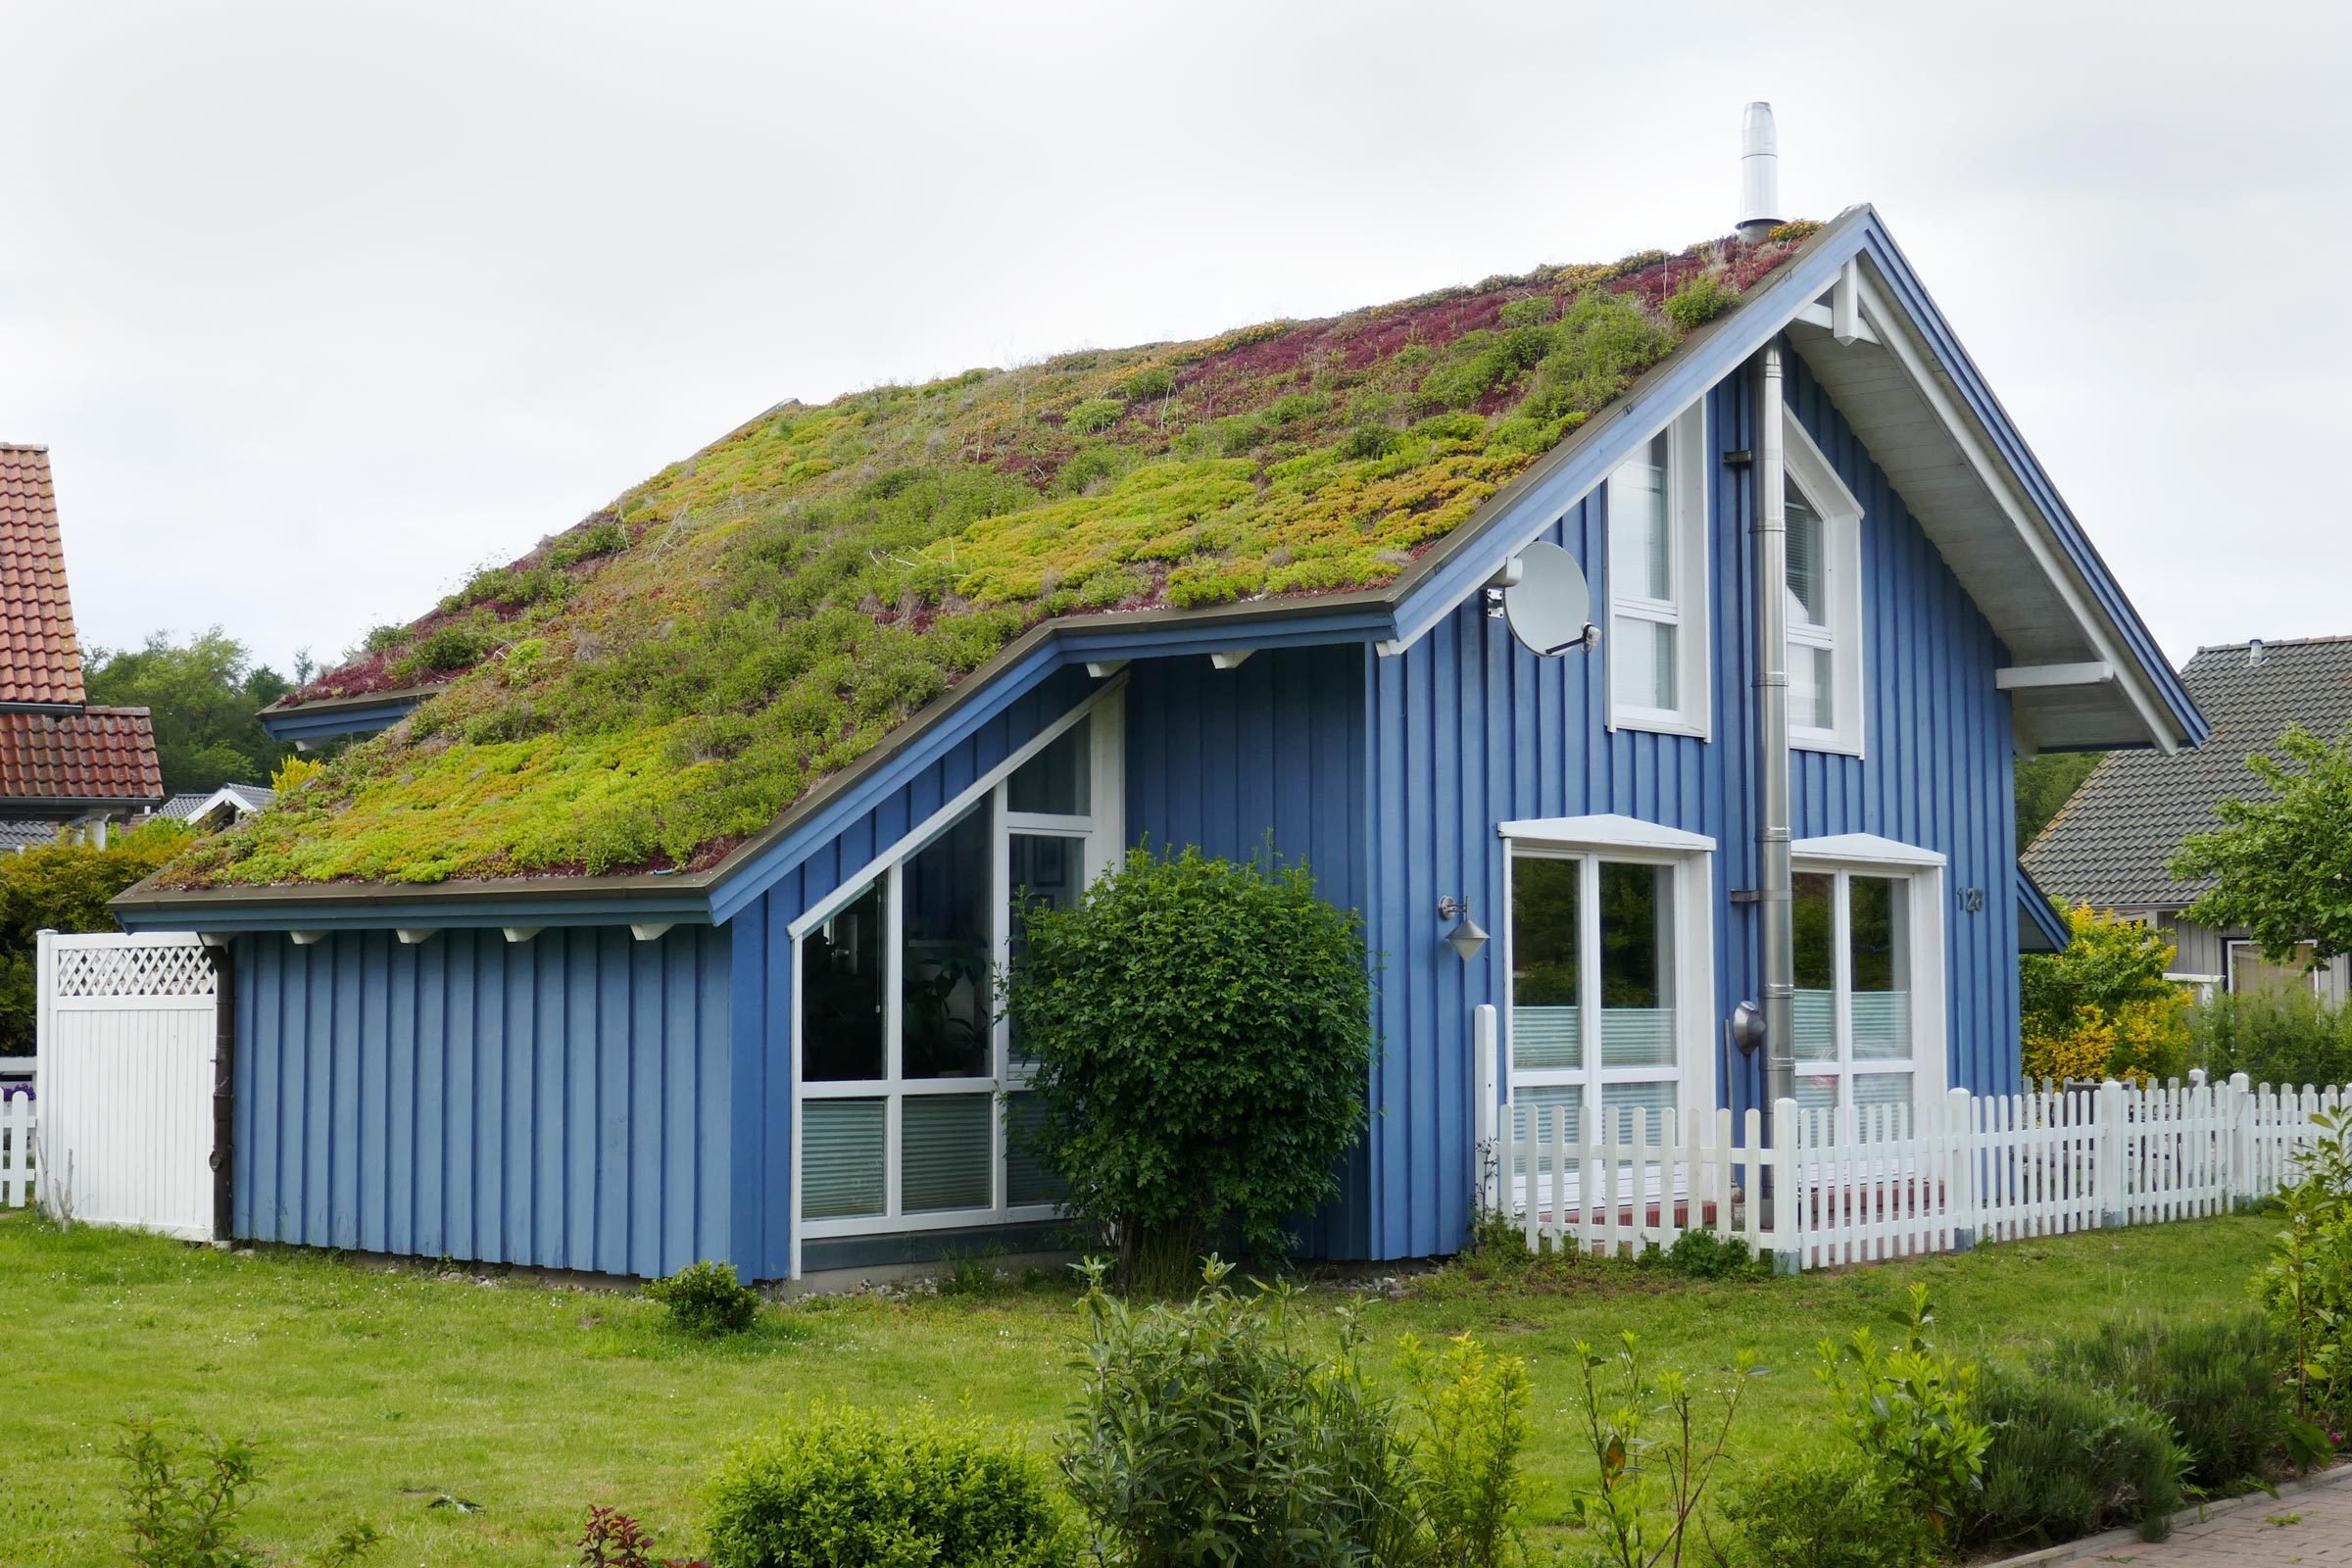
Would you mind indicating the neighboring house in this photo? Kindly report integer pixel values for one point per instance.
(218, 809)
(62, 760)
(776, 1049)
(2110, 844)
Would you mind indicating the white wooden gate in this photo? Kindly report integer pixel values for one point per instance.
(126, 1081)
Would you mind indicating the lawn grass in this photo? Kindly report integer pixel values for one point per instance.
(379, 1393)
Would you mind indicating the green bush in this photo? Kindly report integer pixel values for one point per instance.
(2283, 1037)
(181, 1505)
(1093, 415)
(847, 1489)
(2217, 1379)
(1202, 1035)
(2306, 1283)
(1834, 1513)
(706, 1300)
(1206, 1434)
(1656, 1450)
(1702, 1254)
(1700, 301)
(1913, 1417)
(64, 887)
(2070, 1459)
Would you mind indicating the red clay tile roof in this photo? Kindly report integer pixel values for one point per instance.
(100, 753)
(40, 659)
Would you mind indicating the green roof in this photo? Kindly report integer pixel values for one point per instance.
(652, 687)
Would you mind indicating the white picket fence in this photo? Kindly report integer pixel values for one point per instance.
(1853, 1185)
(17, 1148)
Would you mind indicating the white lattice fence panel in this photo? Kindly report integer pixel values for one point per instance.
(127, 1081)
(143, 969)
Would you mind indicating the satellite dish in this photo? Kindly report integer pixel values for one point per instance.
(1546, 602)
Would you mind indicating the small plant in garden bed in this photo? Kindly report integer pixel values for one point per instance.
(182, 1505)
(706, 1300)
(1912, 1416)
(613, 1540)
(1651, 1488)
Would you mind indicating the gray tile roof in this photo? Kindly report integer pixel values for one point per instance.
(2110, 842)
(253, 796)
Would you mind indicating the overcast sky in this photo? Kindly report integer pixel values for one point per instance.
(321, 307)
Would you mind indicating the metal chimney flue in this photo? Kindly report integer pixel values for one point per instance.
(1759, 174)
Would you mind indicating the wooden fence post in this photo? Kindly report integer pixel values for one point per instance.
(2113, 1131)
(1960, 1170)
(1788, 1196)
(2244, 1190)
(1485, 1073)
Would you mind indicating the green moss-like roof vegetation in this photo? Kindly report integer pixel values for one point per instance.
(648, 688)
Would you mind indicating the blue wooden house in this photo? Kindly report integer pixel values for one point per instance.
(777, 1052)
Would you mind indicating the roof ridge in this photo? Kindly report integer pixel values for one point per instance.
(24, 446)
(2273, 642)
(122, 712)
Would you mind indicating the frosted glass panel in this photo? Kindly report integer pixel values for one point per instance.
(1547, 1037)
(945, 1149)
(842, 1169)
(1028, 1178)
(1641, 664)
(1540, 1100)
(1816, 1091)
(1816, 1026)
(1636, 1037)
(1619, 1104)
(1882, 1026)
(1881, 1088)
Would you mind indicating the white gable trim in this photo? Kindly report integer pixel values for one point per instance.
(1607, 831)
(1864, 849)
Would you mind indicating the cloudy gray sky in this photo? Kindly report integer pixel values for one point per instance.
(319, 307)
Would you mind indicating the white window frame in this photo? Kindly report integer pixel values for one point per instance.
(1687, 611)
(2229, 952)
(1841, 560)
(1625, 840)
(1103, 829)
(1844, 857)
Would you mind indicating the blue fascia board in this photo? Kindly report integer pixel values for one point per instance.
(2035, 905)
(1953, 360)
(690, 907)
(303, 724)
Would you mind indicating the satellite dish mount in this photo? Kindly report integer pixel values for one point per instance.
(1541, 592)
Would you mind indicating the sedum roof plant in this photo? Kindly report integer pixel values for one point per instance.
(649, 688)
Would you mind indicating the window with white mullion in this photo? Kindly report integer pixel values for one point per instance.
(1856, 960)
(1823, 588)
(900, 1063)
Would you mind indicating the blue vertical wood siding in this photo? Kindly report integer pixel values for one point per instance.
(1224, 758)
(1468, 730)
(561, 1102)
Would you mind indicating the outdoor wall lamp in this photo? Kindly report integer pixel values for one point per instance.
(1467, 937)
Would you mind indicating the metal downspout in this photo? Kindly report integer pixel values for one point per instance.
(1775, 905)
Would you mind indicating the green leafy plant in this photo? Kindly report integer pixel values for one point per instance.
(2070, 1459)
(182, 1505)
(1468, 1430)
(706, 1300)
(1649, 1489)
(2278, 866)
(1201, 1033)
(1093, 415)
(614, 1540)
(1206, 1434)
(1912, 1415)
(970, 1275)
(1823, 1513)
(843, 1487)
(1701, 1255)
(2219, 1379)
(2103, 1009)
(64, 887)
(1700, 301)
(2283, 1036)
(2306, 1283)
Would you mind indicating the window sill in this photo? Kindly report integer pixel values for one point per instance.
(1823, 741)
(1653, 721)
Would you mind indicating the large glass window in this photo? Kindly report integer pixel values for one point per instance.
(1585, 927)
(1657, 584)
(1823, 599)
(904, 1068)
(1854, 1005)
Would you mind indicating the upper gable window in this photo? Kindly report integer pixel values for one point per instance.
(1824, 602)
(1657, 511)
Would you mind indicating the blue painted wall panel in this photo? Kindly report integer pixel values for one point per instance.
(561, 1102)
(1468, 730)
(1224, 758)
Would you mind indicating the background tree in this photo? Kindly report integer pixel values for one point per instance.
(65, 888)
(2281, 868)
(1203, 1036)
(2044, 784)
(203, 694)
(2103, 1009)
